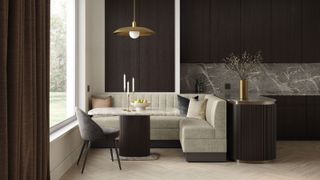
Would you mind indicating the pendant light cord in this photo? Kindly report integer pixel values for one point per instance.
(134, 10)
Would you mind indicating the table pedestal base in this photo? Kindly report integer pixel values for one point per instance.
(134, 136)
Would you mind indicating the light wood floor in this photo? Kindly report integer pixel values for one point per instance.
(296, 161)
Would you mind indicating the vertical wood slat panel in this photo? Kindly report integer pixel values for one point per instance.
(149, 59)
(254, 132)
(156, 53)
(195, 31)
(310, 31)
(286, 31)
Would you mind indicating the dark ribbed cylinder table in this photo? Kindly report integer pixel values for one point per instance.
(252, 129)
(134, 136)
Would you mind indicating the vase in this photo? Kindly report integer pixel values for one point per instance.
(243, 89)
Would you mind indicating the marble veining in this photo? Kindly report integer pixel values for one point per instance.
(270, 79)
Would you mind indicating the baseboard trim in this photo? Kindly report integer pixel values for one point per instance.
(65, 165)
(206, 157)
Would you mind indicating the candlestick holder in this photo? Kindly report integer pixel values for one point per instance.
(128, 103)
(132, 94)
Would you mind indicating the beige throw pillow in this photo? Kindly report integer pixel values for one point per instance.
(100, 102)
(197, 109)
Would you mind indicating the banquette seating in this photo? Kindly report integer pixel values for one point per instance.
(200, 139)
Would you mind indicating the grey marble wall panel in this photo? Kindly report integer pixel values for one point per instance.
(277, 79)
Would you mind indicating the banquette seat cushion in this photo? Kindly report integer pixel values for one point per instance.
(161, 127)
(193, 128)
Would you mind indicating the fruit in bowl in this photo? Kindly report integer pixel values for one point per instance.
(140, 101)
(140, 104)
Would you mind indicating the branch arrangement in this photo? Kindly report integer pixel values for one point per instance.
(243, 65)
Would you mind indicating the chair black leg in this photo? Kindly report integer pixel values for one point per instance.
(85, 158)
(84, 144)
(116, 148)
(111, 152)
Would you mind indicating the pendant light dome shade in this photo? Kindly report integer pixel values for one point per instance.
(126, 31)
(134, 31)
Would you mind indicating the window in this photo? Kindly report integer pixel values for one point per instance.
(62, 61)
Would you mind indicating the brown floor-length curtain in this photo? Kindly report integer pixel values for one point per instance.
(24, 89)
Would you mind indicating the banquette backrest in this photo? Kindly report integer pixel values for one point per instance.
(158, 100)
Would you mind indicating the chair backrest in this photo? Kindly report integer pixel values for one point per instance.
(89, 130)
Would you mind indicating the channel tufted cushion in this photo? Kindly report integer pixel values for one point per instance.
(165, 122)
(158, 100)
(193, 128)
(107, 121)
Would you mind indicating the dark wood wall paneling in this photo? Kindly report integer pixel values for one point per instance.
(195, 32)
(210, 30)
(157, 52)
(149, 59)
(298, 117)
(225, 28)
(121, 53)
(287, 31)
(256, 26)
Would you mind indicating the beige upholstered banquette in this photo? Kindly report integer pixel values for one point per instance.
(195, 135)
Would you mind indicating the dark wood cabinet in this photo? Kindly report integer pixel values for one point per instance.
(286, 31)
(298, 117)
(225, 29)
(310, 31)
(195, 31)
(251, 131)
(234, 26)
(256, 27)
(313, 117)
(291, 123)
(149, 59)
(210, 30)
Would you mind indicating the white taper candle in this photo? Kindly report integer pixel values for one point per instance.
(133, 84)
(124, 82)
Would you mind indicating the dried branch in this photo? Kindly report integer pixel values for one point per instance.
(243, 65)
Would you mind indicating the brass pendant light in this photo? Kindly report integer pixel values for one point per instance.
(134, 31)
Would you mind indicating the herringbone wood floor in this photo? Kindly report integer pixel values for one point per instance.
(296, 161)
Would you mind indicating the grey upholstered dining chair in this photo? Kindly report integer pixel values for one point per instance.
(90, 132)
